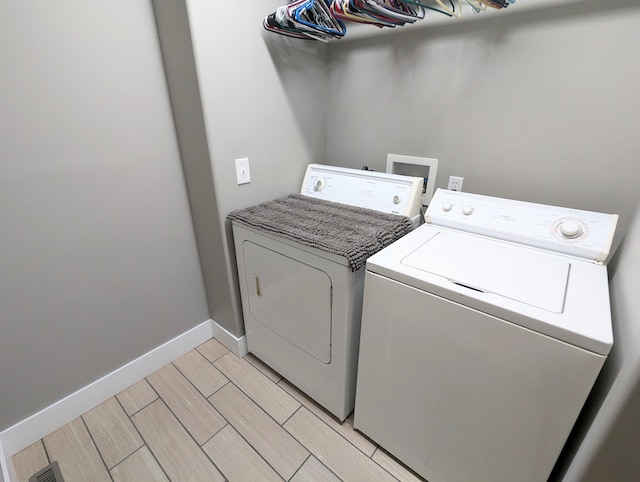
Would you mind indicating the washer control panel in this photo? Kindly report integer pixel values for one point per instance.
(389, 193)
(583, 234)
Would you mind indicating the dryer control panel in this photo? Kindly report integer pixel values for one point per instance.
(389, 193)
(575, 232)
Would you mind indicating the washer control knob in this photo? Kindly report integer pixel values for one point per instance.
(319, 184)
(447, 206)
(396, 199)
(570, 229)
(467, 210)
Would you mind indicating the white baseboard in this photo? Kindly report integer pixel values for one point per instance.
(231, 342)
(7, 471)
(35, 427)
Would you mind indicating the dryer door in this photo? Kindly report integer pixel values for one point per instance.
(290, 298)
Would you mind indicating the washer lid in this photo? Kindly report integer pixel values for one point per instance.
(521, 274)
(522, 285)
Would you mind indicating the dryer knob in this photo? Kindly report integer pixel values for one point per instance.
(447, 206)
(570, 229)
(319, 184)
(467, 210)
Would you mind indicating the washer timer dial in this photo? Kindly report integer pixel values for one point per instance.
(569, 228)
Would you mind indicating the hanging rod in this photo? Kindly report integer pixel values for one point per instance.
(360, 31)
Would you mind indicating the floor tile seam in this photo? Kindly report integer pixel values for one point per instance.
(345, 438)
(130, 421)
(144, 442)
(294, 412)
(255, 450)
(217, 432)
(301, 465)
(258, 368)
(228, 423)
(204, 452)
(44, 447)
(254, 402)
(205, 398)
(132, 454)
(206, 357)
(378, 447)
(261, 407)
(311, 454)
(184, 426)
(394, 460)
(212, 363)
(228, 382)
(376, 462)
(188, 433)
(322, 421)
(375, 444)
(270, 417)
(158, 397)
(307, 448)
(193, 384)
(84, 423)
(390, 474)
(129, 416)
(41, 442)
(365, 454)
(300, 405)
(264, 409)
(142, 408)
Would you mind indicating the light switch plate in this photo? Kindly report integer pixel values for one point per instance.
(242, 171)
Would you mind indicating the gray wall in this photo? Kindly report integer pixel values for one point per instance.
(540, 106)
(177, 52)
(98, 262)
(606, 444)
(263, 97)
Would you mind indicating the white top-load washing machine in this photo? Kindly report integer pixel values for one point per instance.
(301, 302)
(483, 332)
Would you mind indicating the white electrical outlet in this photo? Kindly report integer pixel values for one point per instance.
(242, 171)
(455, 183)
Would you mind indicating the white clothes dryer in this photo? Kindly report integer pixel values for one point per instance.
(483, 332)
(301, 300)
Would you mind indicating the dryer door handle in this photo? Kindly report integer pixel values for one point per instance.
(258, 289)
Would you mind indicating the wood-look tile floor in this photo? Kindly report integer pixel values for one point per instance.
(210, 416)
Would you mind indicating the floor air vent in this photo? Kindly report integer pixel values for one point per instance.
(51, 473)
